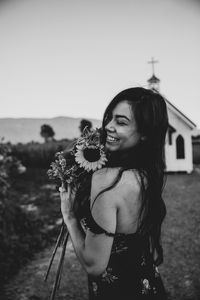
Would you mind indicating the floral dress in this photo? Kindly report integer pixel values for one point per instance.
(130, 274)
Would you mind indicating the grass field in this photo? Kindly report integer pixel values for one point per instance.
(181, 237)
(181, 242)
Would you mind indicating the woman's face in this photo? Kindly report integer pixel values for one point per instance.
(122, 133)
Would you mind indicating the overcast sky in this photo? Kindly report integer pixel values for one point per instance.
(70, 57)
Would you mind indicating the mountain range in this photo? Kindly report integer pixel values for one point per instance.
(24, 130)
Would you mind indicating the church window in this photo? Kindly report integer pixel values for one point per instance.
(180, 148)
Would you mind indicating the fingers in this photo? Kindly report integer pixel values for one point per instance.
(62, 189)
(69, 189)
(65, 194)
(63, 185)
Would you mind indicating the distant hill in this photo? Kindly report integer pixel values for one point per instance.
(25, 130)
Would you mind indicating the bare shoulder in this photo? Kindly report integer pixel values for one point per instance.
(131, 178)
(105, 176)
(129, 183)
(106, 172)
(103, 179)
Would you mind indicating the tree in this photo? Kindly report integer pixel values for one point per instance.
(85, 123)
(47, 133)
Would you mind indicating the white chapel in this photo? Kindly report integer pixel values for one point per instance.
(178, 144)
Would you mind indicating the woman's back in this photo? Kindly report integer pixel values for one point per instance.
(130, 268)
(126, 195)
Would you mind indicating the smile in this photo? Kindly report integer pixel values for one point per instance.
(111, 139)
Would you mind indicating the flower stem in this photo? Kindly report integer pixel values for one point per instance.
(58, 242)
(61, 261)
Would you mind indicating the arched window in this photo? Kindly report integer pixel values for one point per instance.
(180, 148)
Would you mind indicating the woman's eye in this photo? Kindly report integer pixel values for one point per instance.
(121, 123)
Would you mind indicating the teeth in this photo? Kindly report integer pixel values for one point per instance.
(109, 138)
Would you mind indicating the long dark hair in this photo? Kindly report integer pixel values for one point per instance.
(150, 112)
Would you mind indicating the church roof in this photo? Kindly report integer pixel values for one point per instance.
(191, 124)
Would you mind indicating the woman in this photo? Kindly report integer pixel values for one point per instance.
(120, 248)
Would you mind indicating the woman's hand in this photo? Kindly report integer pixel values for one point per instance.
(67, 200)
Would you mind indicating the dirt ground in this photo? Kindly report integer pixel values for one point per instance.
(29, 283)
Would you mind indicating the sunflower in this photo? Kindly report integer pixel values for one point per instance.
(90, 157)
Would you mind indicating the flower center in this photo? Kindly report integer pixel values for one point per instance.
(91, 155)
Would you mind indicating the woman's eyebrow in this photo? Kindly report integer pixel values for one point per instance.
(122, 116)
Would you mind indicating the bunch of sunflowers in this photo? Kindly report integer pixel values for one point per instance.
(87, 155)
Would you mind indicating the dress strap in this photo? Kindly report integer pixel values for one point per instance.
(96, 228)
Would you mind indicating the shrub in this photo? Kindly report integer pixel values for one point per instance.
(19, 232)
(39, 155)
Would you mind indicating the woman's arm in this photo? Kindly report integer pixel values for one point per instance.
(93, 250)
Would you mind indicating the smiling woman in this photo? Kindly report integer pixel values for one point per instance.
(122, 132)
(115, 217)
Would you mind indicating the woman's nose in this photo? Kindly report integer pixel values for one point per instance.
(110, 127)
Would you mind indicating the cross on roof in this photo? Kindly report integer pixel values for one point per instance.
(153, 62)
